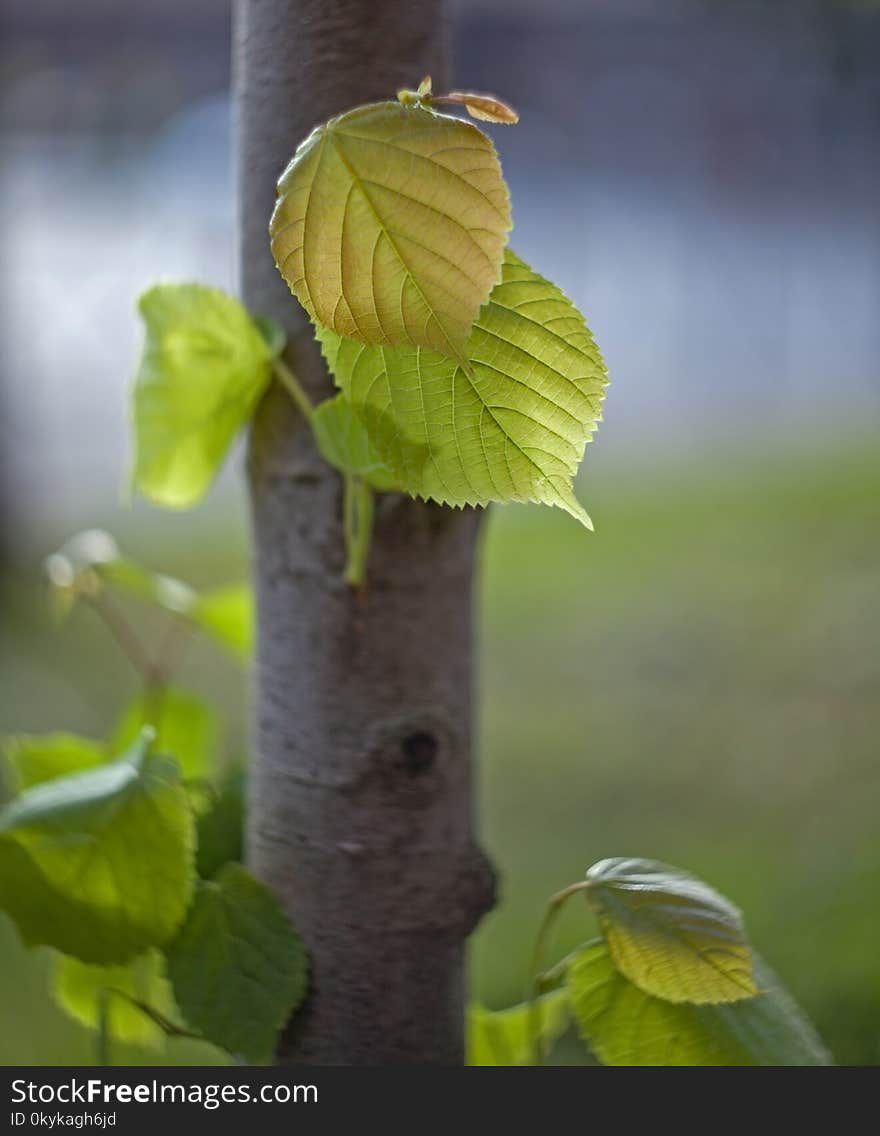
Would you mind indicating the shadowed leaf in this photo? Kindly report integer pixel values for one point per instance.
(237, 966)
(345, 444)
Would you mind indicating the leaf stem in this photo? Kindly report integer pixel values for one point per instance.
(358, 516)
(103, 1043)
(165, 1024)
(554, 906)
(126, 637)
(291, 383)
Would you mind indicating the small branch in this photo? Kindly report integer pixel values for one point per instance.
(175, 640)
(554, 906)
(126, 637)
(290, 382)
(358, 509)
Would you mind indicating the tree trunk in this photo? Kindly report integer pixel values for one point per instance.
(360, 811)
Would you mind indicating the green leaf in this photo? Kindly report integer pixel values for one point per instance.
(390, 225)
(273, 334)
(670, 933)
(345, 444)
(506, 421)
(227, 614)
(625, 1026)
(41, 757)
(204, 367)
(504, 1037)
(221, 828)
(77, 987)
(185, 727)
(99, 864)
(237, 967)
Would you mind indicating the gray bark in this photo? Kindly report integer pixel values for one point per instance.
(360, 811)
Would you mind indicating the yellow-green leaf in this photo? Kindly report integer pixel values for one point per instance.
(670, 933)
(504, 1037)
(508, 420)
(391, 223)
(623, 1025)
(204, 367)
(185, 725)
(78, 988)
(227, 614)
(99, 864)
(345, 444)
(34, 758)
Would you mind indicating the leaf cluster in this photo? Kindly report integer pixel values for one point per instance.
(464, 376)
(122, 854)
(671, 981)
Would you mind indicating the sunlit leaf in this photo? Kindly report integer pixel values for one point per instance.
(625, 1026)
(670, 933)
(391, 223)
(504, 1037)
(345, 444)
(508, 421)
(78, 987)
(40, 757)
(185, 726)
(227, 614)
(204, 367)
(237, 966)
(99, 864)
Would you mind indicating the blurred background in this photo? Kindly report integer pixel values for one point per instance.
(697, 682)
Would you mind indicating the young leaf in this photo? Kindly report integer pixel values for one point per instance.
(237, 967)
(185, 726)
(77, 987)
(41, 757)
(506, 421)
(503, 1037)
(390, 225)
(227, 614)
(165, 592)
(221, 828)
(486, 108)
(92, 558)
(99, 864)
(345, 444)
(623, 1025)
(670, 933)
(205, 366)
